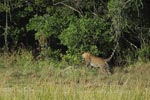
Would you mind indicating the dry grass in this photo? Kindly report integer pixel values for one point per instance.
(23, 79)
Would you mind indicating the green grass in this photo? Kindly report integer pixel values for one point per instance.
(21, 78)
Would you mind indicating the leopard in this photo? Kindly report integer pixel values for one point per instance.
(93, 61)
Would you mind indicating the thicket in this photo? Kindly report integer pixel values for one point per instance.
(65, 28)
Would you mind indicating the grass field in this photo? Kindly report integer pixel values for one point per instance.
(21, 78)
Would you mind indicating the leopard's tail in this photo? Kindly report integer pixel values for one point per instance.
(112, 54)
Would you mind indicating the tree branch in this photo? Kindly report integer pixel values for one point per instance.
(62, 3)
(131, 43)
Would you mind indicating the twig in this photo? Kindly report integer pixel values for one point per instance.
(60, 2)
(94, 13)
(69, 7)
(67, 68)
(131, 43)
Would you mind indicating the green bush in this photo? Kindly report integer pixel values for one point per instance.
(144, 53)
(77, 34)
(86, 34)
(46, 26)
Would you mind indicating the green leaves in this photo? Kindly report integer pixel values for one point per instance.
(46, 24)
(85, 34)
(78, 25)
(2, 7)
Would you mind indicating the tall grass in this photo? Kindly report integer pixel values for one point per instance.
(22, 78)
(53, 91)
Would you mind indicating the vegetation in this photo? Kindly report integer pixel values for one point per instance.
(41, 42)
(66, 28)
(22, 78)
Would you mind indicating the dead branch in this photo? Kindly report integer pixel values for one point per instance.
(72, 8)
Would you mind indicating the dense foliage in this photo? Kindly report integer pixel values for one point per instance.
(63, 29)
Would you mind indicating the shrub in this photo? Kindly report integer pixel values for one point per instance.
(86, 34)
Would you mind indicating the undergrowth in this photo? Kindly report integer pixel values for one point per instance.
(22, 78)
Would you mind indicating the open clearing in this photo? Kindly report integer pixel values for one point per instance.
(28, 80)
